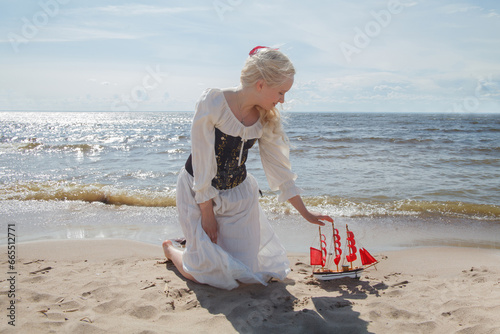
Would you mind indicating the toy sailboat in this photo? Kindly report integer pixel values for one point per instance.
(321, 257)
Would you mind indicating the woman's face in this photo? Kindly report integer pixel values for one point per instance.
(271, 96)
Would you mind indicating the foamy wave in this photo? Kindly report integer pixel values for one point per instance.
(34, 146)
(62, 191)
(333, 206)
(450, 208)
(341, 207)
(86, 148)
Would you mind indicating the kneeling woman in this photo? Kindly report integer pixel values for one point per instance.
(228, 238)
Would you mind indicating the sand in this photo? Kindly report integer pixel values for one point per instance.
(116, 286)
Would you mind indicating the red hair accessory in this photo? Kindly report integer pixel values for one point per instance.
(257, 48)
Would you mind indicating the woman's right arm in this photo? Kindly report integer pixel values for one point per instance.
(204, 162)
(203, 150)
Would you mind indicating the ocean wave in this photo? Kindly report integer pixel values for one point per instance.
(342, 207)
(331, 205)
(357, 140)
(63, 191)
(450, 208)
(32, 146)
(39, 146)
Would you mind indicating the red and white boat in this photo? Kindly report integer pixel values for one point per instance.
(323, 261)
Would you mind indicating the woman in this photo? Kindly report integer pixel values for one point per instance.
(228, 238)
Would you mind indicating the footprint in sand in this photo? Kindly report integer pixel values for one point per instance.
(144, 312)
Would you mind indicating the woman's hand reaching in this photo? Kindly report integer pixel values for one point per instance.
(312, 217)
(316, 218)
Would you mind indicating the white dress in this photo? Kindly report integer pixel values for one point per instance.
(247, 249)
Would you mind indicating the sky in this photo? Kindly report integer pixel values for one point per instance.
(359, 56)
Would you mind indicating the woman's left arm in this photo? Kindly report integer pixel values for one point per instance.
(274, 154)
(312, 217)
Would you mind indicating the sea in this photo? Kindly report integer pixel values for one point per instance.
(397, 180)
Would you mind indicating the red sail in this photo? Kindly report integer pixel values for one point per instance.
(323, 239)
(351, 257)
(337, 259)
(316, 257)
(336, 234)
(366, 257)
(370, 257)
(352, 248)
(336, 240)
(323, 249)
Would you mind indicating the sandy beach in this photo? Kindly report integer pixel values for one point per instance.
(117, 286)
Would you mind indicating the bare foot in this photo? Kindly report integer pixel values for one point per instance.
(175, 255)
(166, 248)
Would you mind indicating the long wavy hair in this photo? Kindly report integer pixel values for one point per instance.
(275, 68)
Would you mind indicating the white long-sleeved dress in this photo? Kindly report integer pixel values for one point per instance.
(247, 248)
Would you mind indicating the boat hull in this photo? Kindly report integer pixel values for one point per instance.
(329, 275)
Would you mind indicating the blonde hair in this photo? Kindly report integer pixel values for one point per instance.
(274, 68)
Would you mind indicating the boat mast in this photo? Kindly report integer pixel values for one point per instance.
(320, 248)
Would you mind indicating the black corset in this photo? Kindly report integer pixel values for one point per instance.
(227, 152)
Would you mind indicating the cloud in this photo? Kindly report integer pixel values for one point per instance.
(135, 10)
(387, 88)
(492, 14)
(459, 8)
(427, 55)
